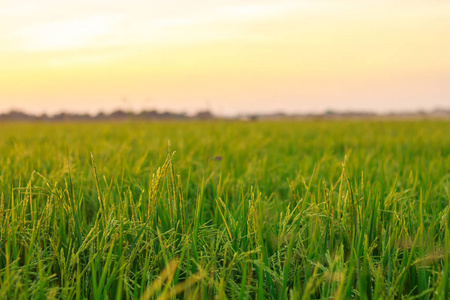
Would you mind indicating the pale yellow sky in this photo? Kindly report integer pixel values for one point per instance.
(229, 56)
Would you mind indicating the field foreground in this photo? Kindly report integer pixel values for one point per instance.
(277, 210)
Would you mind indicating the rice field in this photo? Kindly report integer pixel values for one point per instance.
(225, 210)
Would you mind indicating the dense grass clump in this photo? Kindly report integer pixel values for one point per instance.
(277, 210)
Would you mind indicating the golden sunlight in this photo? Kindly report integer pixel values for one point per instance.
(235, 56)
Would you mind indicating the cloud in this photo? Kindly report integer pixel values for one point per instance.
(66, 34)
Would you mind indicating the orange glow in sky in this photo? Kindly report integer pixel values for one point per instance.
(228, 56)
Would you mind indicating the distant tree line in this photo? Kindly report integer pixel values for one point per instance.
(120, 115)
(117, 115)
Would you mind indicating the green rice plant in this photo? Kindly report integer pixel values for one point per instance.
(242, 210)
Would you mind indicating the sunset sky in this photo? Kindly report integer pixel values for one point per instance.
(228, 56)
